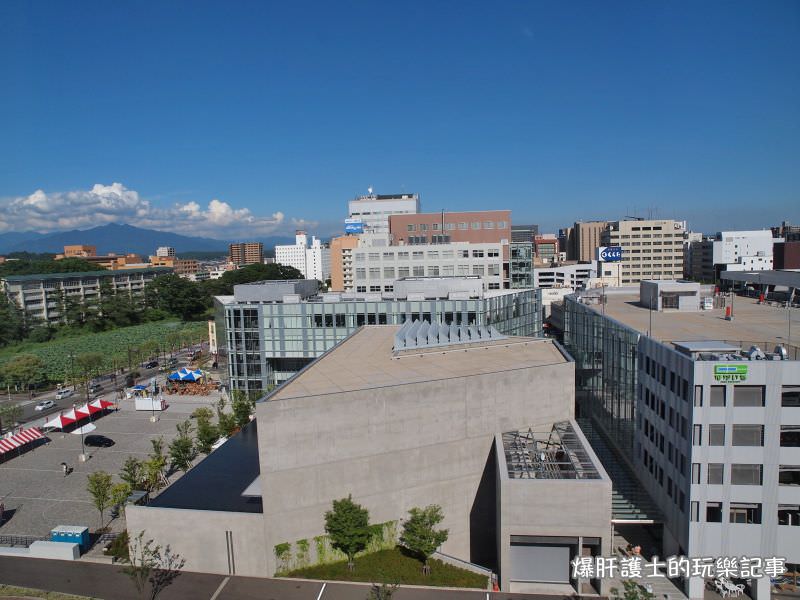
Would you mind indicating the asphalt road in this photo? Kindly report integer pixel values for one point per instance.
(108, 389)
(109, 583)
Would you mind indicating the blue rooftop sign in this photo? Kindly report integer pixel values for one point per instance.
(610, 253)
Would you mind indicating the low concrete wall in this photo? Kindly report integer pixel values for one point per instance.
(43, 549)
(200, 536)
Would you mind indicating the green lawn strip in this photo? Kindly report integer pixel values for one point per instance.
(112, 344)
(393, 566)
(10, 591)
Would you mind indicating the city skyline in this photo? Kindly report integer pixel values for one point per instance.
(259, 120)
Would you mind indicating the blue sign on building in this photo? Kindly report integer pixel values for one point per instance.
(611, 254)
(354, 227)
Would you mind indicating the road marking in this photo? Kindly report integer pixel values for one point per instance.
(321, 590)
(219, 589)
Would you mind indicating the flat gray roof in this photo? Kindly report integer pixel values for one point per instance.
(788, 278)
(82, 274)
(752, 324)
(705, 346)
(366, 360)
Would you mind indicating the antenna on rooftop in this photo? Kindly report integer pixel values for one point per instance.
(369, 190)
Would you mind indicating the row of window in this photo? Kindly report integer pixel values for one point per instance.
(430, 254)
(431, 271)
(673, 489)
(745, 513)
(743, 474)
(745, 435)
(463, 226)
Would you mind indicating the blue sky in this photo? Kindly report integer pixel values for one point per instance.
(281, 112)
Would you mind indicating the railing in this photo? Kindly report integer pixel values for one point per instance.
(20, 540)
(463, 564)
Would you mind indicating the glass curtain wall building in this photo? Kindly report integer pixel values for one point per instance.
(521, 267)
(606, 362)
(265, 343)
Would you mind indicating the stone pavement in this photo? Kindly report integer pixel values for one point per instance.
(38, 497)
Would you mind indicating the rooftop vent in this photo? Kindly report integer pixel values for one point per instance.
(422, 334)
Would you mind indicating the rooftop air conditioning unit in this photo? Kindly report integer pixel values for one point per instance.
(755, 353)
(781, 352)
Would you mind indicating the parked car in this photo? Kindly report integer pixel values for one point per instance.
(65, 393)
(151, 364)
(98, 441)
(94, 387)
(44, 405)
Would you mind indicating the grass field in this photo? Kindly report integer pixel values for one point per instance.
(113, 345)
(394, 566)
(10, 591)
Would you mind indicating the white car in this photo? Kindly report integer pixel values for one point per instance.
(44, 405)
(64, 394)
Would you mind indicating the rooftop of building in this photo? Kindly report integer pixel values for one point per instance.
(752, 324)
(367, 360)
(372, 197)
(554, 453)
(115, 272)
(218, 481)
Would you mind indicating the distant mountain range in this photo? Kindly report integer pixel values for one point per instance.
(120, 239)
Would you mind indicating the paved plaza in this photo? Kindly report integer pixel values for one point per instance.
(38, 497)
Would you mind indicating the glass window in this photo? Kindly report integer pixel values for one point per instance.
(433, 254)
(790, 436)
(388, 256)
(417, 255)
(698, 395)
(476, 225)
(789, 514)
(419, 271)
(374, 272)
(714, 512)
(488, 225)
(423, 227)
(789, 475)
(717, 395)
(695, 472)
(411, 227)
(433, 271)
(745, 513)
(448, 270)
(716, 435)
(790, 396)
(477, 254)
(748, 395)
(715, 473)
(697, 435)
(747, 435)
(361, 273)
(403, 272)
(463, 253)
(374, 255)
(493, 253)
(478, 270)
(388, 272)
(694, 511)
(501, 225)
(402, 255)
(462, 226)
(746, 474)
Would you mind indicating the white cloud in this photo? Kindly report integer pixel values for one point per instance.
(82, 209)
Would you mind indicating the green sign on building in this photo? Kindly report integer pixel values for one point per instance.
(730, 373)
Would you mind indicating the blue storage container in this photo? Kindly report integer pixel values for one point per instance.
(72, 534)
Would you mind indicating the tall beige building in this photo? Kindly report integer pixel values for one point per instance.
(342, 262)
(587, 238)
(247, 253)
(651, 249)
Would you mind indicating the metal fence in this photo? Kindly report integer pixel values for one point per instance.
(22, 541)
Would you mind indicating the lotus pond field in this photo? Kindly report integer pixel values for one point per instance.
(114, 345)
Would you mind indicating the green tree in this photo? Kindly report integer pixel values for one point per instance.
(382, 591)
(226, 423)
(13, 326)
(420, 534)
(9, 415)
(132, 473)
(151, 568)
(347, 524)
(119, 494)
(632, 591)
(41, 264)
(89, 364)
(249, 274)
(181, 450)
(24, 370)
(177, 296)
(153, 467)
(207, 433)
(243, 405)
(99, 486)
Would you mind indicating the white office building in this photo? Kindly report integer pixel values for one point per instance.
(564, 276)
(375, 268)
(731, 251)
(313, 259)
(373, 210)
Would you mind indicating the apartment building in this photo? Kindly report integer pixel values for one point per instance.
(270, 330)
(651, 249)
(79, 251)
(375, 268)
(41, 296)
(373, 211)
(701, 412)
(524, 233)
(342, 262)
(486, 226)
(179, 266)
(311, 258)
(246, 253)
(546, 248)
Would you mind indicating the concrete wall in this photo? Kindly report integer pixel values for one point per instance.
(393, 448)
(200, 537)
(550, 507)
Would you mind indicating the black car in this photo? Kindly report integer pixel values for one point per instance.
(151, 365)
(98, 441)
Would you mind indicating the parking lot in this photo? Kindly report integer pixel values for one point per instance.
(37, 495)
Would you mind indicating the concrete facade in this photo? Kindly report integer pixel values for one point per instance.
(485, 226)
(587, 238)
(342, 262)
(374, 210)
(211, 541)
(247, 253)
(651, 249)
(571, 276)
(398, 445)
(311, 258)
